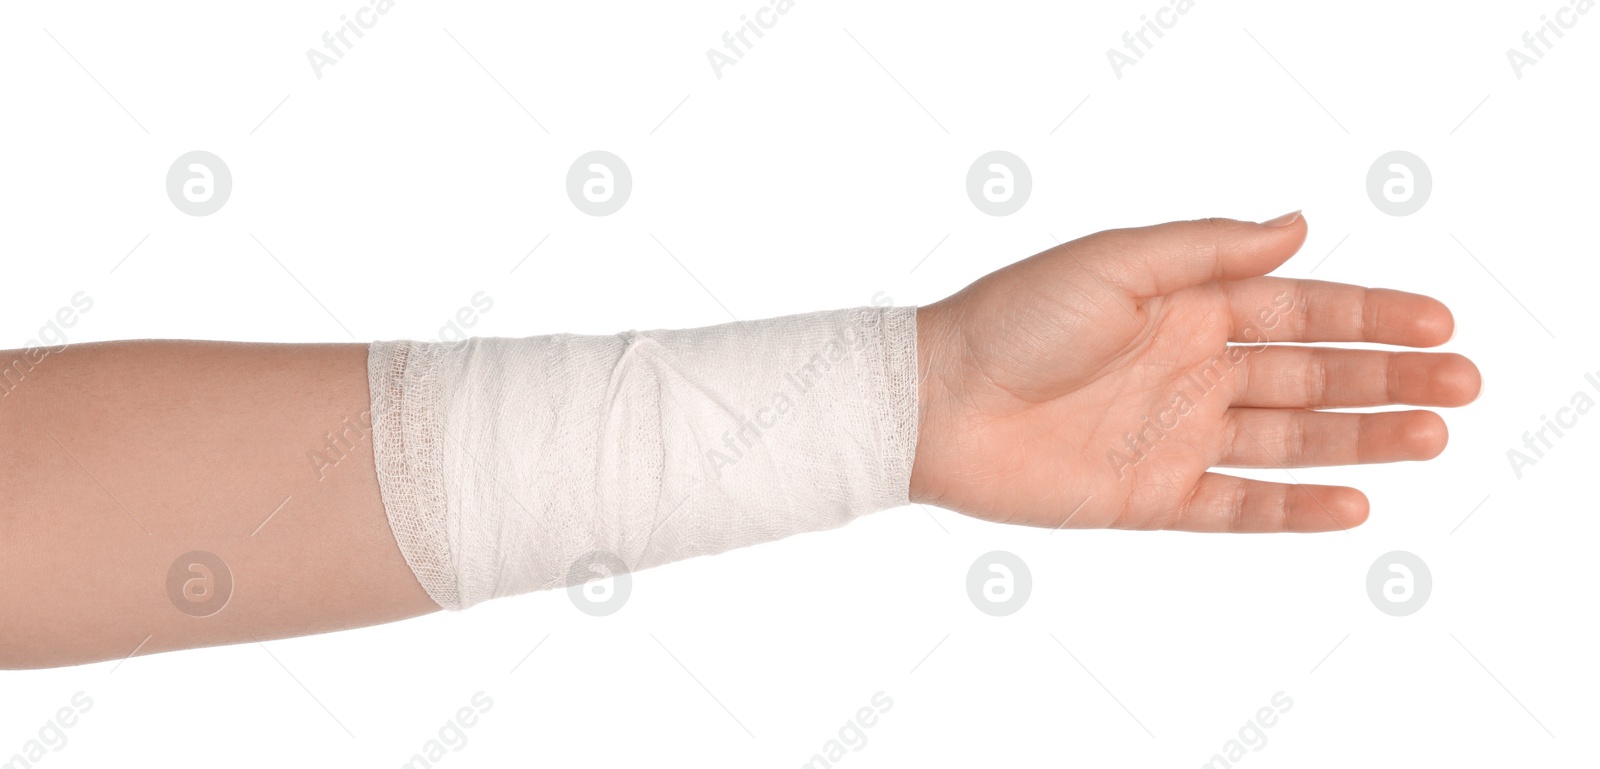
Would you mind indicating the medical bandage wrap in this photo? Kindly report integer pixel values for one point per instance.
(504, 462)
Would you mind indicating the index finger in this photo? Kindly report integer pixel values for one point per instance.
(1164, 258)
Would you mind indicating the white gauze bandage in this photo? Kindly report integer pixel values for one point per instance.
(503, 462)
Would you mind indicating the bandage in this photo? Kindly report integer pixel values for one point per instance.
(502, 463)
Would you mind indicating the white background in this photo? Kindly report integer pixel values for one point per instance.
(406, 179)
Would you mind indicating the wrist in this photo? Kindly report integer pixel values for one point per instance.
(932, 394)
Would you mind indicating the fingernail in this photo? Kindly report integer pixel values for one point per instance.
(1282, 221)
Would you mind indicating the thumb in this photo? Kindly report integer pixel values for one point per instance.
(1161, 259)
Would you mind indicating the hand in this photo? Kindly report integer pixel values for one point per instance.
(1094, 384)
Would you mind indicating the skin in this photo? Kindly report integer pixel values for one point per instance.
(119, 458)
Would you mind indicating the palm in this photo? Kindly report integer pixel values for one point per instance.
(1072, 390)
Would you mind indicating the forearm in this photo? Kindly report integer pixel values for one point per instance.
(348, 485)
(116, 459)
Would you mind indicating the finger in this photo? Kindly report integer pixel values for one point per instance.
(1288, 310)
(1157, 260)
(1284, 377)
(1299, 438)
(1229, 504)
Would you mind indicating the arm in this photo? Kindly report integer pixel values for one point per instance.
(118, 458)
(1091, 385)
